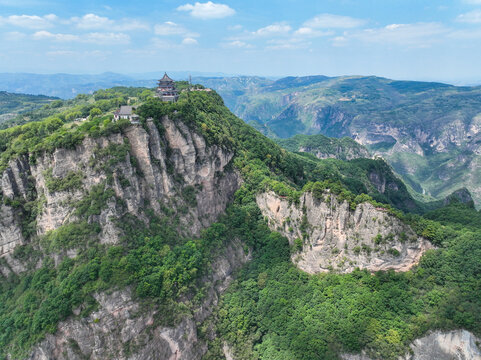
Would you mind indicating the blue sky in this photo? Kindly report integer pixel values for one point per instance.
(403, 39)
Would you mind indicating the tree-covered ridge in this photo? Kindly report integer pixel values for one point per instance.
(12, 104)
(65, 123)
(325, 147)
(80, 106)
(273, 310)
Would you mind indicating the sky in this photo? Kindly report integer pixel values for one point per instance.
(402, 39)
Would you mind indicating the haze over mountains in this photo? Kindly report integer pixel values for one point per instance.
(67, 86)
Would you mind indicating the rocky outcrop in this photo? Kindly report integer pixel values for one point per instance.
(329, 236)
(165, 167)
(452, 345)
(343, 153)
(11, 230)
(122, 328)
(158, 170)
(462, 195)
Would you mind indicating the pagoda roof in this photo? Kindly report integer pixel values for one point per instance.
(166, 78)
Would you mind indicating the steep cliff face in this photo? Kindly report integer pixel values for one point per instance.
(14, 184)
(122, 328)
(165, 168)
(171, 168)
(330, 236)
(452, 345)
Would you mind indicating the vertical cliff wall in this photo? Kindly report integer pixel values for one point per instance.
(167, 166)
(163, 168)
(330, 236)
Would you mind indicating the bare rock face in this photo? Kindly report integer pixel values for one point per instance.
(158, 169)
(11, 231)
(452, 345)
(162, 167)
(333, 237)
(14, 181)
(122, 329)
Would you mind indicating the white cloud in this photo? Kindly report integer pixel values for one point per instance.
(170, 28)
(330, 21)
(237, 44)
(29, 21)
(310, 32)
(79, 54)
(92, 21)
(95, 38)
(107, 38)
(189, 41)
(208, 10)
(473, 2)
(273, 30)
(130, 24)
(413, 35)
(472, 17)
(470, 34)
(61, 53)
(46, 35)
(287, 44)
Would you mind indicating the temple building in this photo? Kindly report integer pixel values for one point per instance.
(166, 89)
(126, 112)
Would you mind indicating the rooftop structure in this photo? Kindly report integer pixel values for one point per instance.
(166, 89)
(126, 112)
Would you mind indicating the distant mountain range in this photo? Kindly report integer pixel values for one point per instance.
(13, 104)
(67, 86)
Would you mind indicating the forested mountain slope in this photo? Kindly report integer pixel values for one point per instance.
(429, 132)
(123, 241)
(13, 104)
(324, 147)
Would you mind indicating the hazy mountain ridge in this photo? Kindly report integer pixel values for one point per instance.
(12, 104)
(67, 86)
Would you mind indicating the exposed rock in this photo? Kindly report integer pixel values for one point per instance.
(452, 345)
(152, 171)
(462, 195)
(337, 238)
(15, 179)
(122, 329)
(10, 229)
(341, 153)
(157, 171)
